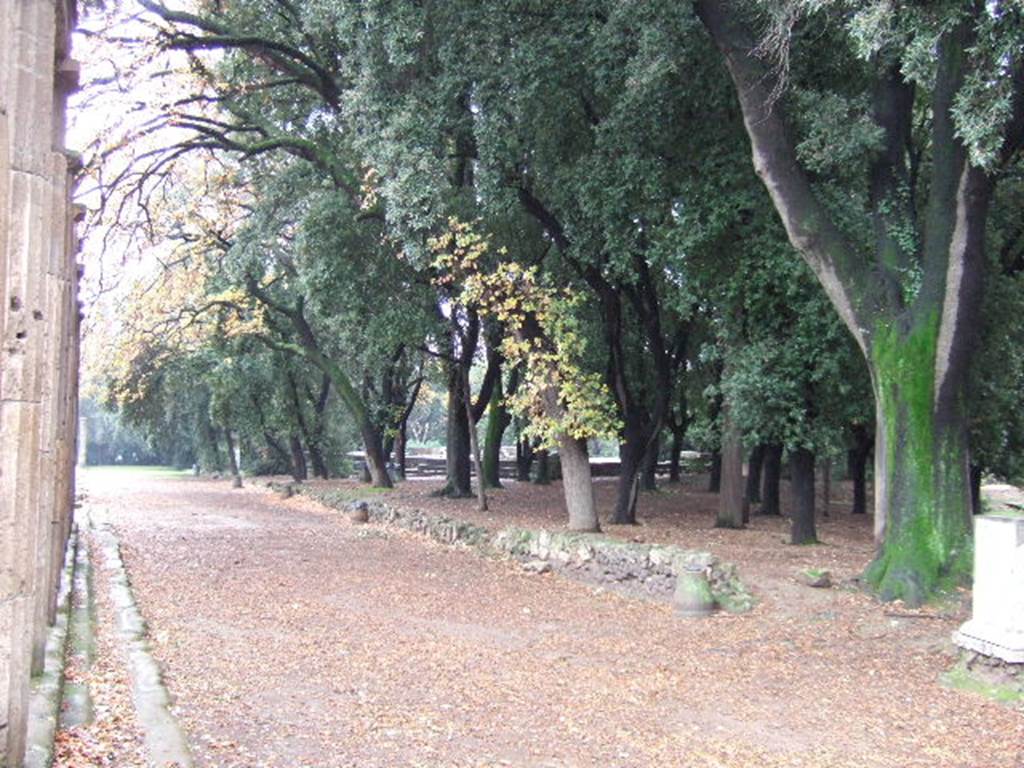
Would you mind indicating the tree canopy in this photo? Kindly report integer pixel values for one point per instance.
(358, 207)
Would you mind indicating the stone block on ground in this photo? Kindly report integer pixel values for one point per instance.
(815, 577)
(537, 566)
(359, 512)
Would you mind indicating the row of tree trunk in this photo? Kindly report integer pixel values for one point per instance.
(738, 494)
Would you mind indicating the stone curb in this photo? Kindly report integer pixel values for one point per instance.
(47, 688)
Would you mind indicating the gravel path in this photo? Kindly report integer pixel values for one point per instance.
(290, 637)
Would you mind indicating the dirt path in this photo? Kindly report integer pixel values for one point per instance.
(290, 637)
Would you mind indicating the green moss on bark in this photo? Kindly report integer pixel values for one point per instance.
(927, 541)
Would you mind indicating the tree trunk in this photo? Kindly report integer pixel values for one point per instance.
(376, 461)
(309, 347)
(236, 475)
(316, 457)
(457, 460)
(858, 458)
(859, 477)
(295, 408)
(976, 473)
(826, 486)
(733, 510)
(401, 429)
(649, 476)
(918, 350)
(524, 459)
(754, 464)
(631, 456)
(212, 448)
(922, 484)
(283, 457)
(675, 452)
(543, 474)
(801, 465)
(577, 485)
(922, 487)
(497, 421)
(715, 476)
(314, 440)
(274, 446)
(299, 470)
(401, 443)
(772, 473)
(474, 444)
(481, 493)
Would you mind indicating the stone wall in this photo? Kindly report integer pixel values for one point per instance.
(39, 318)
(650, 569)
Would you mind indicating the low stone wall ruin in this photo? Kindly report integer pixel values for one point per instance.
(647, 568)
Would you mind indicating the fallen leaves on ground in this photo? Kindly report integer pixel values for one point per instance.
(289, 639)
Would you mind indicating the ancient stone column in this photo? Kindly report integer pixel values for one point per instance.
(61, 366)
(37, 290)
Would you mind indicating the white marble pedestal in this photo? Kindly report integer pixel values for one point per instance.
(996, 627)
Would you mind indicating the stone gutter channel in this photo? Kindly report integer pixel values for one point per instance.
(76, 708)
(63, 701)
(654, 571)
(166, 745)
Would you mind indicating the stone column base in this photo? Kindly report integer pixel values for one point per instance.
(991, 641)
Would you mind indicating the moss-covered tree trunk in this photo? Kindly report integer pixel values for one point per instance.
(826, 486)
(209, 458)
(371, 433)
(316, 456)
(976, 507)
(474, 444)
(400, 449)
(315, 438)
(376, 460)
(922, 491)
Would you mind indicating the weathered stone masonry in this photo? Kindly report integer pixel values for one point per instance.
(39, 321)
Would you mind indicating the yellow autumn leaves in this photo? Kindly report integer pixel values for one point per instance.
(169, 316)
(556, 395)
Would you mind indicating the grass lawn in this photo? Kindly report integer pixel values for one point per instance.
(130, 469)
